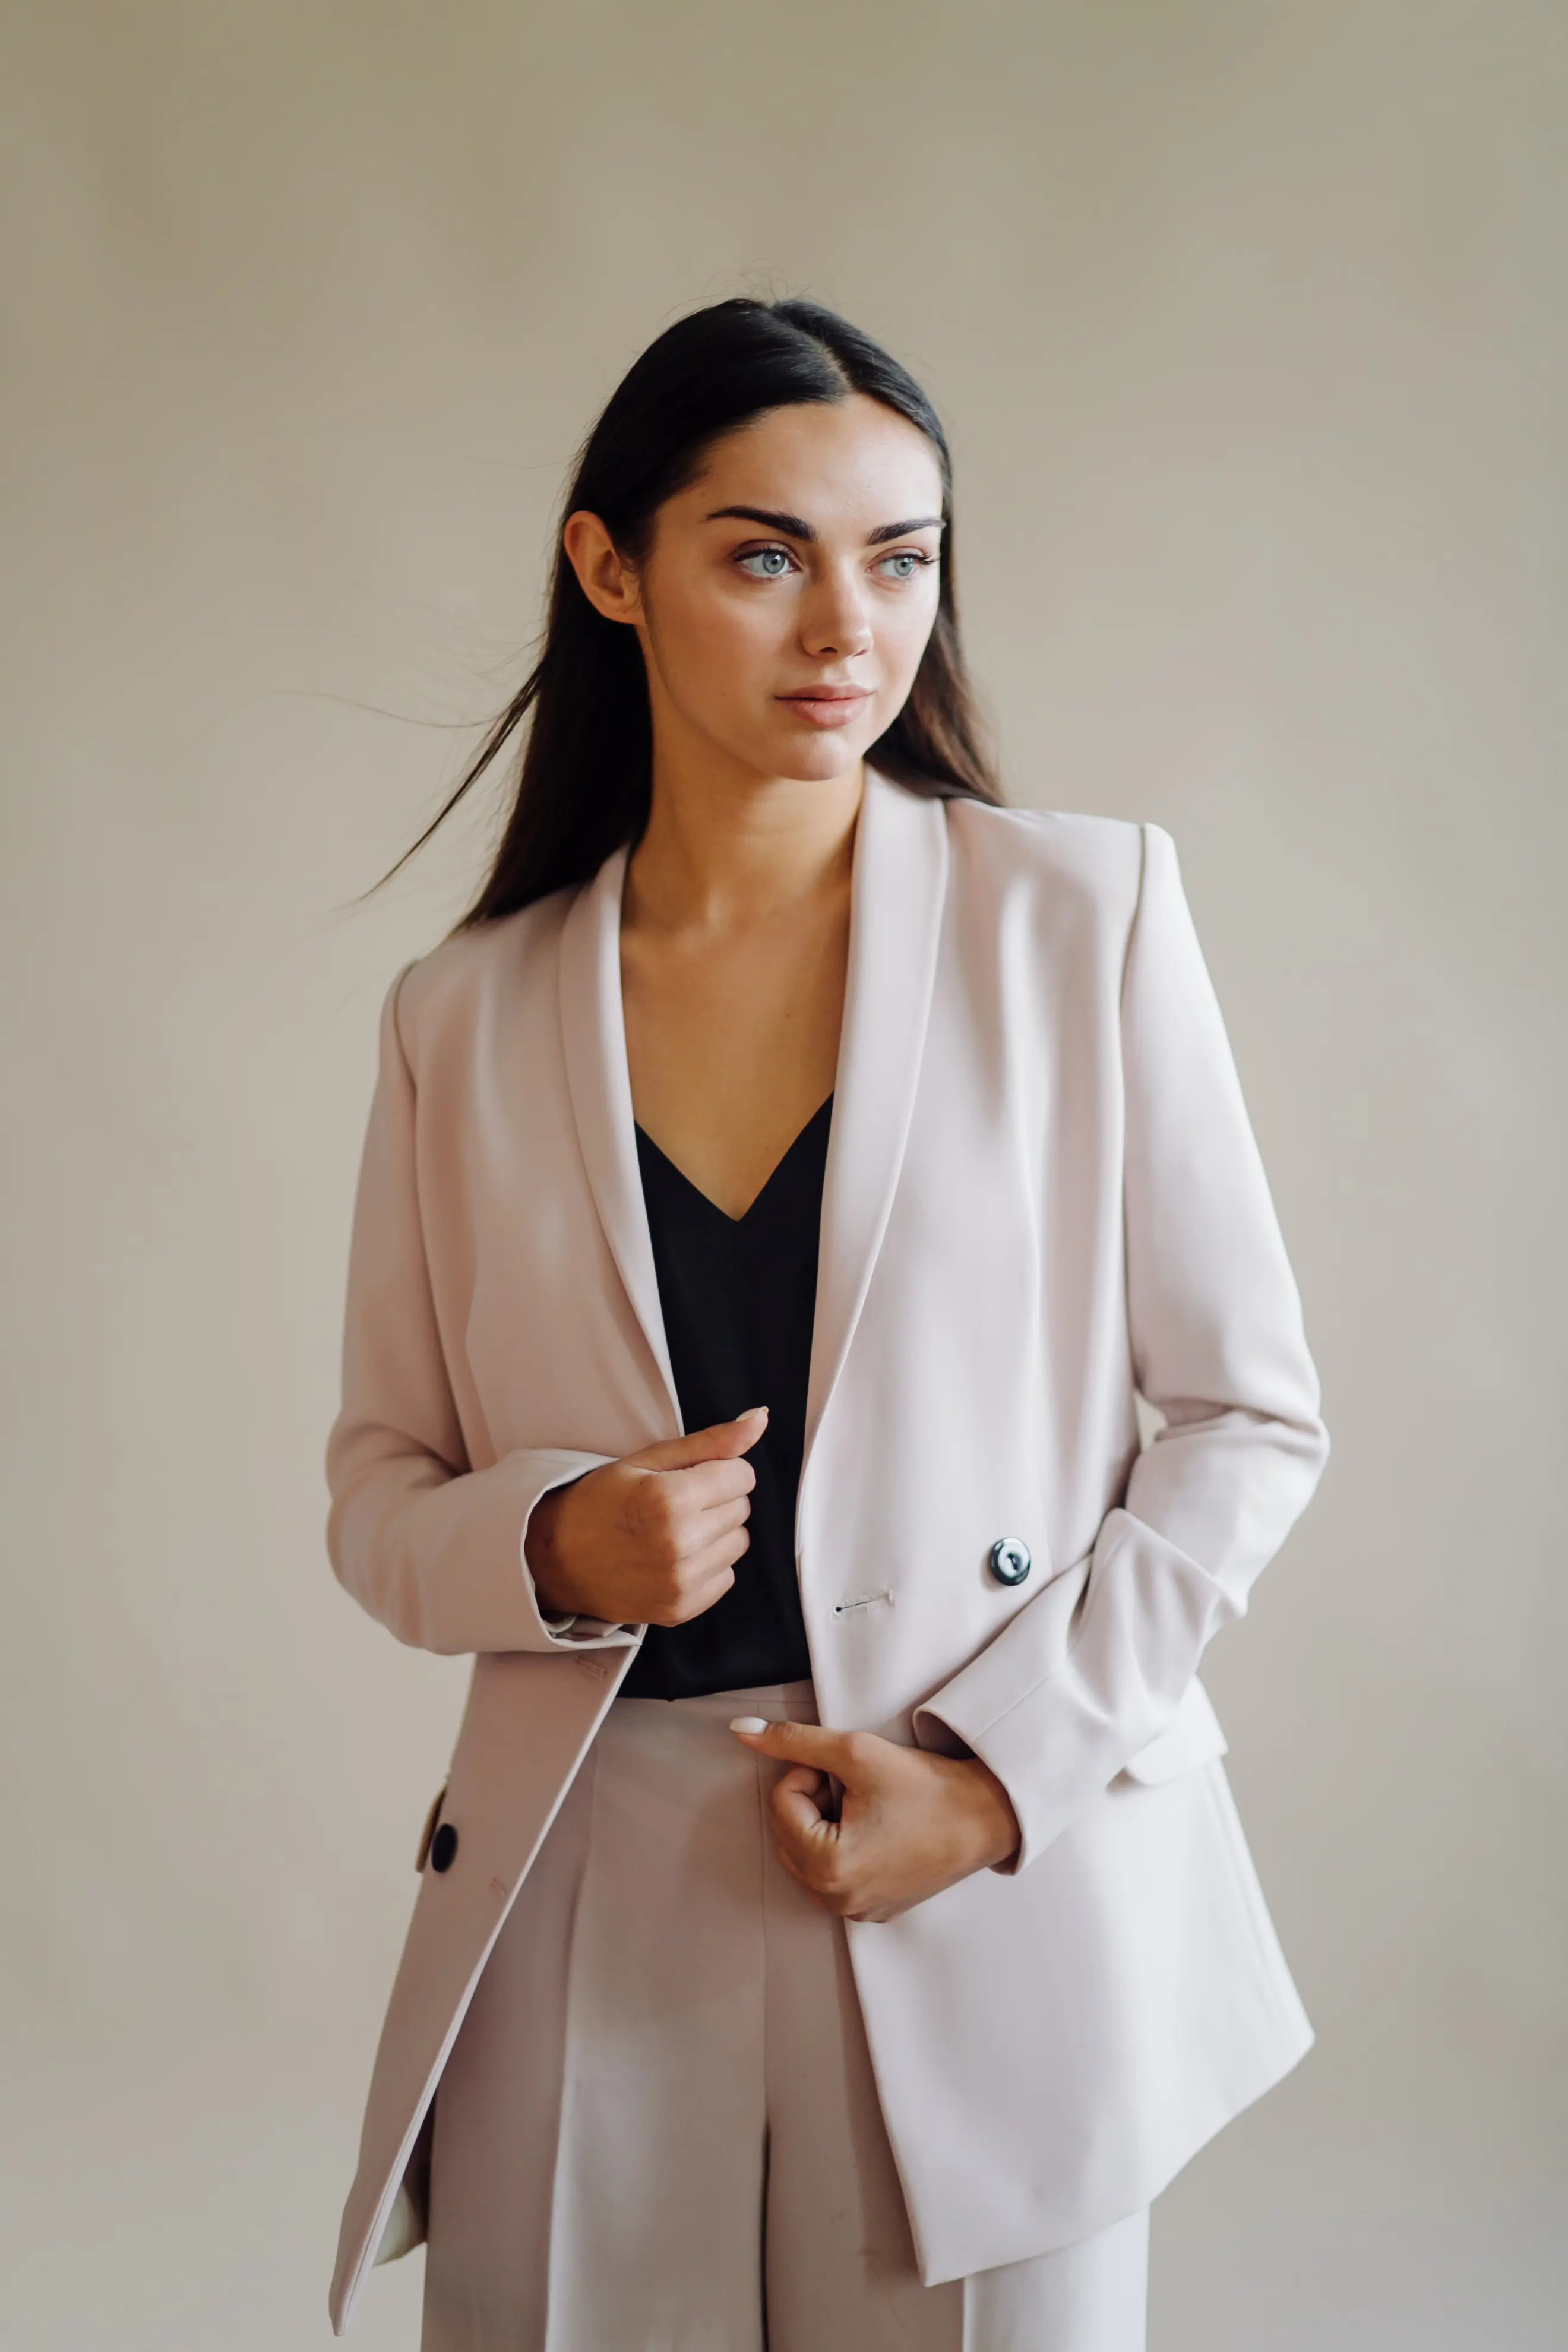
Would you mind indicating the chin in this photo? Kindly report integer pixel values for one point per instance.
(815, 758)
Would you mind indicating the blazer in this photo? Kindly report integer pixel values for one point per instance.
(1043, 1200)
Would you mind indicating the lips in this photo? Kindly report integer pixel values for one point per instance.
(829, 706)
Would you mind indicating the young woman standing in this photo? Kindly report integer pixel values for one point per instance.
(835, 1927)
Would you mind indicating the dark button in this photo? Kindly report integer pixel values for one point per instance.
(1010, 1561)
(444, 1847)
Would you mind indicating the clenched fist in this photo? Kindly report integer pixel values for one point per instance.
(651, 1540)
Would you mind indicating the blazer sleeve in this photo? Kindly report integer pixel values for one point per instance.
(1095, 1667)
(429, 1546)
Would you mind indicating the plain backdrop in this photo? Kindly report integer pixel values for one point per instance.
(1248, 322)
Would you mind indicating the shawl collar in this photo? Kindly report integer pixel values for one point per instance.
(593, 1034)
(897, 893)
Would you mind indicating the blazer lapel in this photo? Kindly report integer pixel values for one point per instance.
(593, 1034)
(897, 893)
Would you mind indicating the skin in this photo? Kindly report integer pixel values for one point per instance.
(777, 651)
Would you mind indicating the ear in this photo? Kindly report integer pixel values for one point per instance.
(607, 579)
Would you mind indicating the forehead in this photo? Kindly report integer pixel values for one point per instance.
(852, 464)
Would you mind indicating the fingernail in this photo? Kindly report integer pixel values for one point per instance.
(751, 1411)
(752, 1723)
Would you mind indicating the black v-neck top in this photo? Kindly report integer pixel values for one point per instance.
(739, 1296)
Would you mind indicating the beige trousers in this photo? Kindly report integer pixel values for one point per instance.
(658, 2130)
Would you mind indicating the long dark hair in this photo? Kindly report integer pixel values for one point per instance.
(584, 776)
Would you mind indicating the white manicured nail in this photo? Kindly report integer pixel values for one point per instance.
(753, 1723)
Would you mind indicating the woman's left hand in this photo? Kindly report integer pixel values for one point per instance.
(909, 1823)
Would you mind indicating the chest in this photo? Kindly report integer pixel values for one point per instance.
(732, 1043)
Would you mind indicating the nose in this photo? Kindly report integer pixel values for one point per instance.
(833, 621)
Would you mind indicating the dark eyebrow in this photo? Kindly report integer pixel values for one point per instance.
(792, 525)
(797, 525)
(902, 529)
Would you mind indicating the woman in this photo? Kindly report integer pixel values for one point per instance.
(835, 1927)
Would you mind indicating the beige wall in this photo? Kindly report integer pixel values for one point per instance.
(1248, 321)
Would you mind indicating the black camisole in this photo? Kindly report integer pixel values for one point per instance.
(739, 1296)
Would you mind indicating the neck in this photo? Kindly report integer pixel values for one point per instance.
(724, 850)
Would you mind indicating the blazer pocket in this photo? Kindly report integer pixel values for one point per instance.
(1194, 1737)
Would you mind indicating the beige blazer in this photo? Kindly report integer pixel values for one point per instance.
(1042, 1198)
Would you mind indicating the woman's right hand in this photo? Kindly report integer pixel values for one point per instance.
(651, 1540)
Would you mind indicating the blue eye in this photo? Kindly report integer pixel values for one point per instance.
(766, 562)
(904, 564)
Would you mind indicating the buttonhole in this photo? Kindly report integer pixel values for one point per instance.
(863, 1600)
